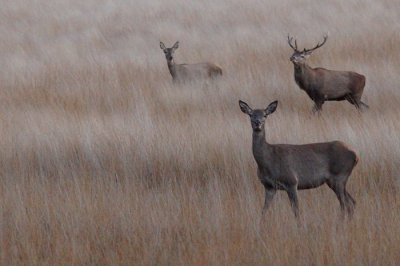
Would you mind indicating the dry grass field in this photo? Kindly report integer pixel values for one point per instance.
(103, 161)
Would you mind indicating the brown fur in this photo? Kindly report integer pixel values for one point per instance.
(185, 72)
(293, 167)
(326, 85)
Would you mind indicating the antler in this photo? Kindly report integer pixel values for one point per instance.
(290, 42)
(318, 45)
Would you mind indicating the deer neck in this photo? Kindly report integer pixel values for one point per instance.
(302, 75)
(172, 68)
(261, 149)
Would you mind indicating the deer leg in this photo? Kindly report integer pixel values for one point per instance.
(339, 189)
(350, 203)
(317, 109)
(317, 98)
(269, 195)
(363, 105)
(294, 202)
(318, 105)
(356, 101)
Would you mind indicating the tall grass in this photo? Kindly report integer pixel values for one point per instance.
(104, 161)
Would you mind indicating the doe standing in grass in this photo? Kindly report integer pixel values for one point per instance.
(326, 85)
(185, 72)
(293, 167)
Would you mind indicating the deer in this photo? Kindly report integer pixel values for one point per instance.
(185, 72)
(322, 84)
(291, 168)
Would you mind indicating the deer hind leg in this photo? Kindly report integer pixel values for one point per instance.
(346, 201)
(294, 201)
(350, 203)
(356, 101)
(363, 105)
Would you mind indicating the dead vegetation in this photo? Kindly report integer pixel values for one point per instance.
(104, 161)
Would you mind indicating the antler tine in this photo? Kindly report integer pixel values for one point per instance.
(290, 42)
(319, 45)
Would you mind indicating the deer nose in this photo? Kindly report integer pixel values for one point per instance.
(292, 58)
(257, 123)
(170, 58)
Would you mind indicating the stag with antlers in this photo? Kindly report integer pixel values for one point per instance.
(326, 85)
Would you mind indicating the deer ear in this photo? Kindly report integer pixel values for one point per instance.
(245, 108)
(176, 45)
(162, 46)
(271, 108)
(307, 53)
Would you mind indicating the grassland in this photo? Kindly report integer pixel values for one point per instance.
(103, 161)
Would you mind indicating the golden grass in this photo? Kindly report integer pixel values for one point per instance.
(104, 161)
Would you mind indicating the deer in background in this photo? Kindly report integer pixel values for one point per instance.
(183, 72)
(295, 167)
(326, 85)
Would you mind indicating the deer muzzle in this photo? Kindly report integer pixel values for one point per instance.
(257, 125)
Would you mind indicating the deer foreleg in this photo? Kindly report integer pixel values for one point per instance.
(269, 195)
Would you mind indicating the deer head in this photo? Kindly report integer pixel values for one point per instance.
(300, 57)
(258, 116)
(169, 51)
